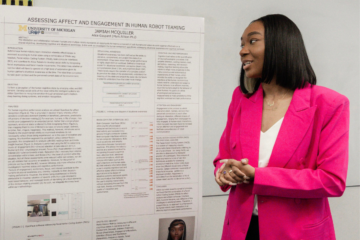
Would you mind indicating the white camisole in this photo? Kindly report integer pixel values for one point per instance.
(267, 142)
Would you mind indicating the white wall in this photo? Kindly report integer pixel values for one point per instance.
(331, 34)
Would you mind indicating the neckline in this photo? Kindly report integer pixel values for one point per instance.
(280, 120)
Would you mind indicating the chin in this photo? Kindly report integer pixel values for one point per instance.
(248, 75)
(251, 76)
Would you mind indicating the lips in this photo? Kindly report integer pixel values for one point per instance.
(247, 64)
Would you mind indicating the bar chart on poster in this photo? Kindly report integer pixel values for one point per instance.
(101, 116)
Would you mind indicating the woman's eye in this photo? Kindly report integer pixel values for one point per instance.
(252, 41)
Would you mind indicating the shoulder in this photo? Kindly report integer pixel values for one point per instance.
(326, 97)
(237, 93)
(331, 105)
(237, 96)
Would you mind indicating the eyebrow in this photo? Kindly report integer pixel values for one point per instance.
(250, 34)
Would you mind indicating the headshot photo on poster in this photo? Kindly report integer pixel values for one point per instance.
(178, 228)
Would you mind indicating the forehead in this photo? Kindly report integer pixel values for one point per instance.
(255, 27)
(178, 226)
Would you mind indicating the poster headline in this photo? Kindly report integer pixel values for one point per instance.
(105, 24)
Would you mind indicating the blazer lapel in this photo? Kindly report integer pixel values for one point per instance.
(250, 126)
(296, 122)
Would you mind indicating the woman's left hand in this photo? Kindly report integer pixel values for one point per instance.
(242, 167)
(223, 177)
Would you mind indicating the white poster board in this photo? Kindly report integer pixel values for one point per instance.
(101, 116)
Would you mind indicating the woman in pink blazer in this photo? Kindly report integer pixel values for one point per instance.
(308, 161)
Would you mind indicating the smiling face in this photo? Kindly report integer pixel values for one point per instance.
(253, 49)
(177, 231)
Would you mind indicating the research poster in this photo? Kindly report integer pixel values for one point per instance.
(101, 125)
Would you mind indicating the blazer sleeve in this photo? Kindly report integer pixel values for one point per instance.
(224, 145)
(329, 178)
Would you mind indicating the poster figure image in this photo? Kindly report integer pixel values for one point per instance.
(55, 207)
(180, 228)
(38, 208)
(177, 230)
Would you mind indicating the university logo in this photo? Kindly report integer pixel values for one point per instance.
(23, 28)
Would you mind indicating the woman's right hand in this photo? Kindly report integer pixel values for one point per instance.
(224, 175)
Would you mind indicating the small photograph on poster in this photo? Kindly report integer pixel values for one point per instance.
(177, 228)
(50, 207)
(38, 208)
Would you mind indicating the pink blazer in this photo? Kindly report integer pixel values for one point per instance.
(308, 164)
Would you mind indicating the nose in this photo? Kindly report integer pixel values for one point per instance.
(244, 51)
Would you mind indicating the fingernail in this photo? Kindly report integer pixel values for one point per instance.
(246, 182)
(243, 161)
(224, 160)
(232, 184)
(246, 177)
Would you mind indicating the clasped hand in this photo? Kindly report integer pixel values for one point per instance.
(234, 172)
